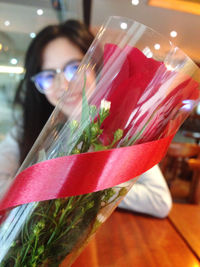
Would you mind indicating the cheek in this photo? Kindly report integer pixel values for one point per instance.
(91, 82)
(52, 98)
(73, 97)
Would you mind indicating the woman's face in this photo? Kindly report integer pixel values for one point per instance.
(56, 55)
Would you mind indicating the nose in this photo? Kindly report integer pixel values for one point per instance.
(60, 85)
(63, 83)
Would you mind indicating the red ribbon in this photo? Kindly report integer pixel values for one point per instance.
(83, 173)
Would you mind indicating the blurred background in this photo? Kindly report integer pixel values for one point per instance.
(20, 20)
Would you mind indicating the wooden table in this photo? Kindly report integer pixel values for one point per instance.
(186, 220)
(128, 239)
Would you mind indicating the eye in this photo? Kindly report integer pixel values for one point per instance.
(49, 76)
(45, 79)
(70, 70)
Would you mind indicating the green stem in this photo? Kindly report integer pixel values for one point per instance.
(34, 249)
(60, 220)
(26, 251)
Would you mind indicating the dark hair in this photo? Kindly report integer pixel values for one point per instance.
(35, 107)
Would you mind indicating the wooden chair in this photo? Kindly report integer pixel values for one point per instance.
(194, 197)
(176, 169)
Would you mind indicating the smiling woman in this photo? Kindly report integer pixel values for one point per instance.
(51, 60)
(60, 61)
(52, 48)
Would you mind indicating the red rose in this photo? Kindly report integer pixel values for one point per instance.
(145, 96)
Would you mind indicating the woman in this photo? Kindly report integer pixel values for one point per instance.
(51, 61)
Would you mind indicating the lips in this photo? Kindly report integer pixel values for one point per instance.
(74, 97)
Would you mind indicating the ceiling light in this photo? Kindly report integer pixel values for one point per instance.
(157, 46)
(13, 61)
(187, 105)
(32, 35)
(135, 2)
(198, 109)
(147, 52)
(7, 69)
(123, 25)
(150, 55)
(40, 12)
(169, 67)
(173, 34)
(7, 23)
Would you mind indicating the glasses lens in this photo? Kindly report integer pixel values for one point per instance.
(44, 80)
(70, 70)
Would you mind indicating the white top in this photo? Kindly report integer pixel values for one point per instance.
(149, 194)
(9, 160)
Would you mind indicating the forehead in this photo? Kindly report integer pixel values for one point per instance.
(58, 52)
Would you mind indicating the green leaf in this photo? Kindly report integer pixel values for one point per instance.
(99, 147)
(85, 116)
(93, 112)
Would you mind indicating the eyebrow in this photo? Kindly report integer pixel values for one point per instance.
(67, 63)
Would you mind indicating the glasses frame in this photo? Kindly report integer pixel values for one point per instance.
(55, 72)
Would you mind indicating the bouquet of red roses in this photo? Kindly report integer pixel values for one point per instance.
(127, 102)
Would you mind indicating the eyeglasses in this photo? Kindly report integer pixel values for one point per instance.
(44, 79)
